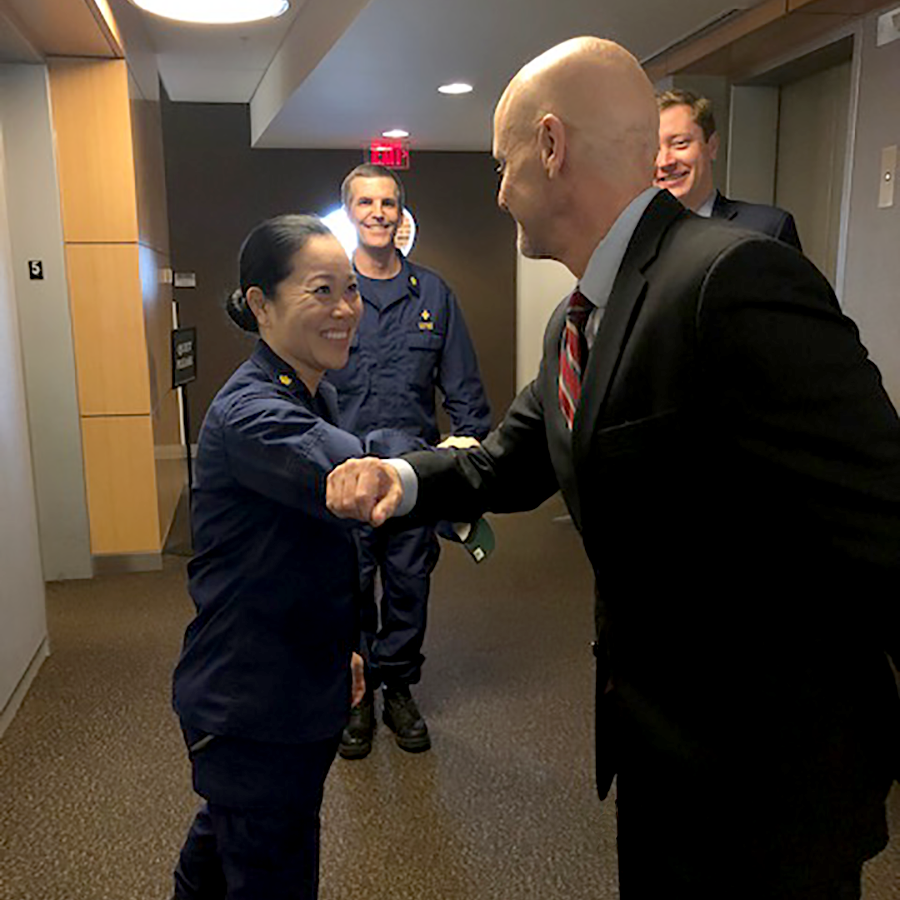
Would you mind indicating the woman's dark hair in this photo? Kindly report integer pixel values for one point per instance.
(265, 260)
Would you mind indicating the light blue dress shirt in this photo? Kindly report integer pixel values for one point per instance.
(597, 282)
(706, 207)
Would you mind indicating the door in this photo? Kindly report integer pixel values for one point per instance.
(809, 174)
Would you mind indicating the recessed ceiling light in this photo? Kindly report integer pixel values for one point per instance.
(458, 87)
(395, 133)
(215, 12)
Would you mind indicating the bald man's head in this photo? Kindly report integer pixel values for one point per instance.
(578, 126)
(595, 87)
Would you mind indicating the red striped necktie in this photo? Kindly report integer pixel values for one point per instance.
(573, 354)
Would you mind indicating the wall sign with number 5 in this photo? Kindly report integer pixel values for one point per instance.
(36, 269)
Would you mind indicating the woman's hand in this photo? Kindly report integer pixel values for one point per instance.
(358, 688)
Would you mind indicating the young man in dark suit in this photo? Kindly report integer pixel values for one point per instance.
(732, 462)
(688, 146)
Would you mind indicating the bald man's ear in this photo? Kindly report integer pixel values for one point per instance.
(552, 144)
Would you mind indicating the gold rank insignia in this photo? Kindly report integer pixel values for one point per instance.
(286, 380)
(426, 324)
(413, 280)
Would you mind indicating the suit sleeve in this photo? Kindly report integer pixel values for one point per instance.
(458, 378)
(284, 451)
(511, 471)
(794, 386)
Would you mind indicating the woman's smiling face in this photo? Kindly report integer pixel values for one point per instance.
(311, 320)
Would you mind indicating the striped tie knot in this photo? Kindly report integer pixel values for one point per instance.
(572, 355)
(578, 310)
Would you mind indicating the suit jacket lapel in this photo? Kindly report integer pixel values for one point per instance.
(723, 208)
(624, 303)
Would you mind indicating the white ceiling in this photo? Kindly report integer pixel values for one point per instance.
(14, 45)
(385, 70)
(336, 73)
(216, 63)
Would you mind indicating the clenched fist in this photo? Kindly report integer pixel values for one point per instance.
(367, 489)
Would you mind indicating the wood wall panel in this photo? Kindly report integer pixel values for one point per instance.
(769, 11)
(750, 41)
(835, 7)
(759, 48)
(112, 182)
(94, 150)
(108, 329)
(121, 484)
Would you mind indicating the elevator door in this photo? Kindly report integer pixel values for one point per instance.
(812, 141)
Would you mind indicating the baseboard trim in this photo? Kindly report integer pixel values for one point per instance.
(18, 695)
(126, 563)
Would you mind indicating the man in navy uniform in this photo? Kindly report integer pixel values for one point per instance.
(411, 340)
(688, 145)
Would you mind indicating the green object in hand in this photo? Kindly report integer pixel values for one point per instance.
(480, 541)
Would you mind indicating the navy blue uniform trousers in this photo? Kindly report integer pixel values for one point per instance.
(405, 559)
(257, 836)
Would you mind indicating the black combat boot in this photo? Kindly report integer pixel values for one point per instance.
(402, 716)
(356, 739)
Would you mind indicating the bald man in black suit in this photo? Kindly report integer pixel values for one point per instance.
(732, 463)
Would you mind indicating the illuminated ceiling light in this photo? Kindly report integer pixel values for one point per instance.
(215, 12)
(458, 87)
(395, 133)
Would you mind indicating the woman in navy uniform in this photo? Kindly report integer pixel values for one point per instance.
(263, 687)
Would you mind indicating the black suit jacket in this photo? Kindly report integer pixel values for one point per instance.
(734, 471)
(758, 217)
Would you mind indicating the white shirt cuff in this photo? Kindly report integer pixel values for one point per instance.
(410, 483)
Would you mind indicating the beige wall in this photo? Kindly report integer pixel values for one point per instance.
(871, 292)
(24, 627)
(540, 286)
(45, 323)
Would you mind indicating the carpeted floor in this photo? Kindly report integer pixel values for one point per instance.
(95, 786)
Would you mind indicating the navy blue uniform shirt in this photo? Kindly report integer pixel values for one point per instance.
(411, 340)
(275, 577)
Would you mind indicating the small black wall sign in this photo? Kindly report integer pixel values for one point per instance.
(184, 356)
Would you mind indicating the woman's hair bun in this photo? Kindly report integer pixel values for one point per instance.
(240, 313)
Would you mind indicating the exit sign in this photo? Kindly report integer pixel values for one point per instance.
(392, 153)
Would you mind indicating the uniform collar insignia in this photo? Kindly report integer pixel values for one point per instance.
(286, 380)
